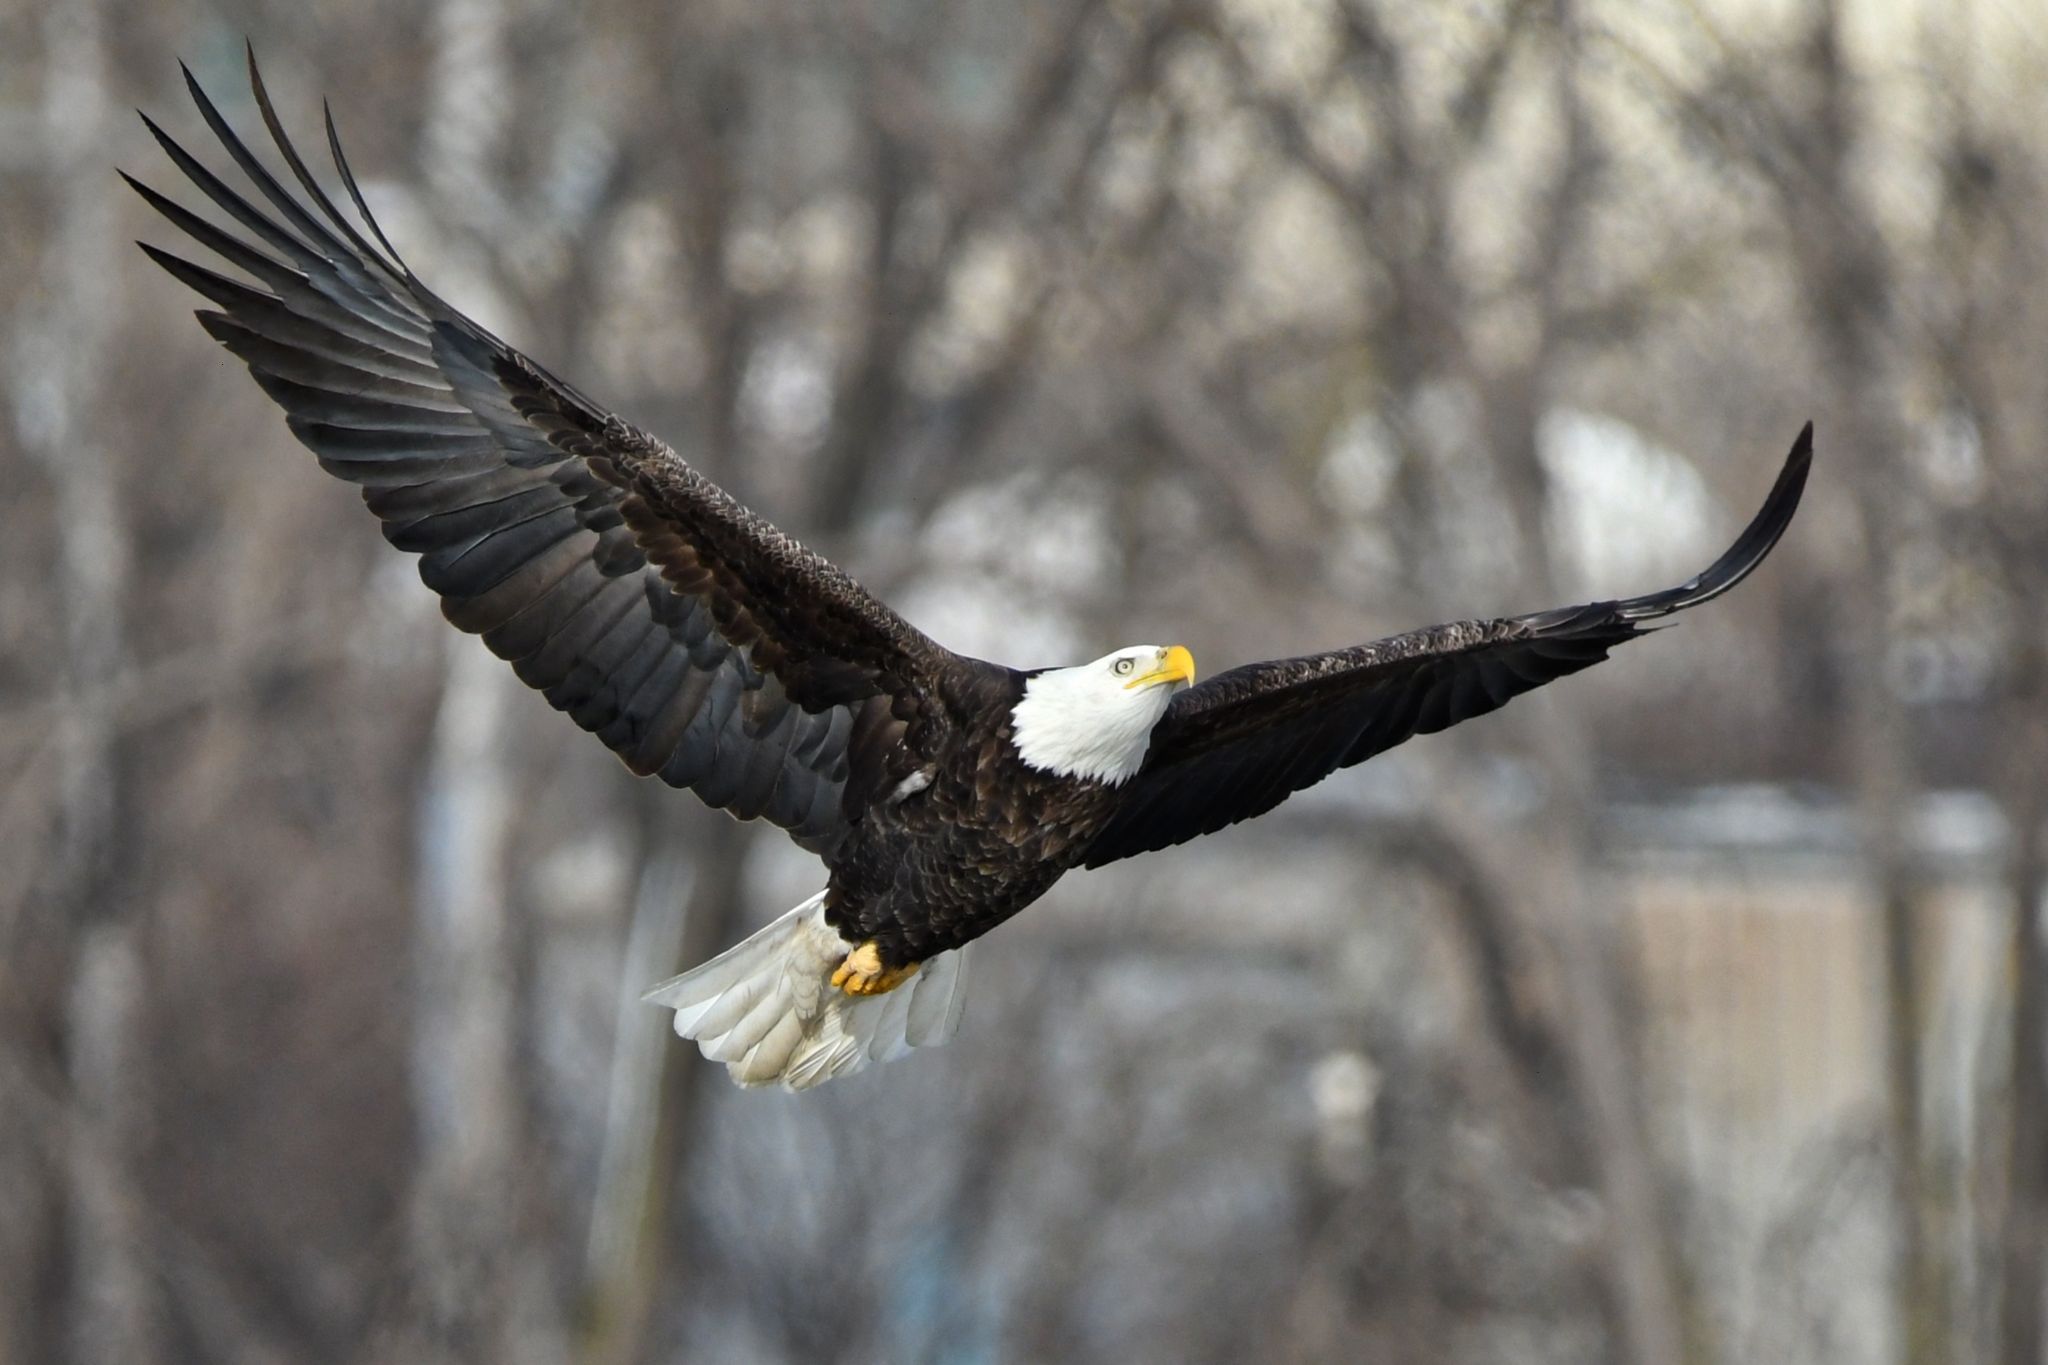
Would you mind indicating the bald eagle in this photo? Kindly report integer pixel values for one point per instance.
(708, 649)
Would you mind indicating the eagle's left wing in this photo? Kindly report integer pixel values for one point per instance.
(1243, 742)
(697, 641)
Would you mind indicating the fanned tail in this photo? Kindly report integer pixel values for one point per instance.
(767, 1009)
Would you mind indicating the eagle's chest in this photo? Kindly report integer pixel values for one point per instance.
(961, 846)
(988, 802)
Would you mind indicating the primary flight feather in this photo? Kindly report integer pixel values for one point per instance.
(707, 648)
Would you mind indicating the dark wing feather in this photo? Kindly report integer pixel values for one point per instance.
(1243, 742)
(697, 641)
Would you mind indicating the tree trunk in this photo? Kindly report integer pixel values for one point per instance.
(2024, 1230)
(657, 1084)
(109, 1297)
(465, 1091)
(1853, 284)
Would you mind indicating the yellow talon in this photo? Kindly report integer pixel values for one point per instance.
(862, 973)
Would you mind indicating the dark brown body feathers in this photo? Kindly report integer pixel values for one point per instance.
(982, 837)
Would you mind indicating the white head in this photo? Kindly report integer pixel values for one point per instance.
(1095, 720)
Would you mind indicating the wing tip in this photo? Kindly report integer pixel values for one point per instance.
(1749, 549)
(355, 193)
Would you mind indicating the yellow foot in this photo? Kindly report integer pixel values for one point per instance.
(863, 973)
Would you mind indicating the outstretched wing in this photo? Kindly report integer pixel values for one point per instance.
(1243, 742)
(697, 641)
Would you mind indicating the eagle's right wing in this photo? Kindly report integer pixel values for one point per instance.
(1244, 741)
(697, 641)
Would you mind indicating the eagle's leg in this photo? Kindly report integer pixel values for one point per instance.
(862, 973)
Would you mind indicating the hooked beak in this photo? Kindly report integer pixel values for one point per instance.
(1176, 665)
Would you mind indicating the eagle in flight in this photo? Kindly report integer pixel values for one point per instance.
(708, 649)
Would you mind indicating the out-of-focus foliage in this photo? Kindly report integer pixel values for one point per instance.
(1686, 1011)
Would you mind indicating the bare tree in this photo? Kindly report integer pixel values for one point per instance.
(1252, 326)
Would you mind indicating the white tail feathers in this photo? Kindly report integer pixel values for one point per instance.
(766, 1007)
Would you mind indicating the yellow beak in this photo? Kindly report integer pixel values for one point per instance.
(1178, 666)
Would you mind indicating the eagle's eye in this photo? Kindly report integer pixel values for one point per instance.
(1122, 667)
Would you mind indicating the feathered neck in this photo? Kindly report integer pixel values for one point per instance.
(1073, 723)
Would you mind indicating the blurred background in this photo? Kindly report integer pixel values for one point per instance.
(1689, 1011)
